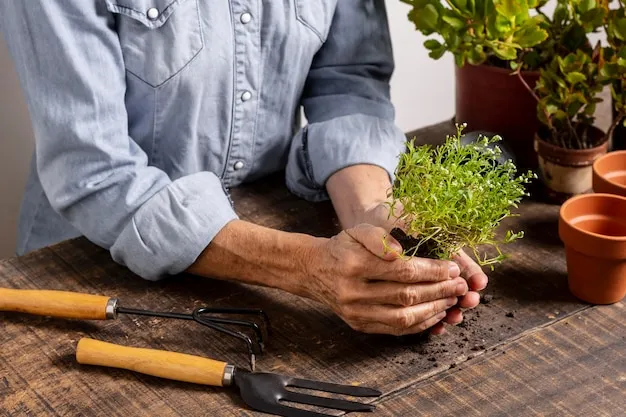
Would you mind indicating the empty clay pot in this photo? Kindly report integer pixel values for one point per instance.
(567, 172)
(492, 99)
(593, 229)
(609, 174)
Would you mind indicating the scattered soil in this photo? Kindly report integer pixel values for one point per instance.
(510, 314)
(486, 298)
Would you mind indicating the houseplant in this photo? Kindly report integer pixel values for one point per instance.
(567, 142)
(491, 40)
(454, 197)
(593, 229)
(615, 69)
(485, 37)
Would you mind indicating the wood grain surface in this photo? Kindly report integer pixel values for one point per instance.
(575, 367)
(40, 376)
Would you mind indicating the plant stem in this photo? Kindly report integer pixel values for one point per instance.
(618, 119)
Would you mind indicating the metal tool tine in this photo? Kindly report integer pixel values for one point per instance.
(252, 325)
(353, 391)
(285, 410)
(331, 403)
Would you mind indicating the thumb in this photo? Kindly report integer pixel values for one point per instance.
(376, 240)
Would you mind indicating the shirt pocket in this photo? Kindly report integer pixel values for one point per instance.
(317, 15)
(159, 38)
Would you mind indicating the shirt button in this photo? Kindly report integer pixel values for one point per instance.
(246, 95)
(245, 18)
(153, 13)
(238, 165)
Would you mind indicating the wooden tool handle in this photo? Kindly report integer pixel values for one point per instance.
(170, 365)
(68, 305)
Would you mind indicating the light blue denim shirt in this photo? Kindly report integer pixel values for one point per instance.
(145, 112)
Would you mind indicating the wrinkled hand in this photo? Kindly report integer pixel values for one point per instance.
(378, 292)
(473, 274)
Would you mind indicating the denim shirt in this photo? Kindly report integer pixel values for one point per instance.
(145, 112)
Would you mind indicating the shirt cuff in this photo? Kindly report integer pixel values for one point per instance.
(321, 149)
(168, 233)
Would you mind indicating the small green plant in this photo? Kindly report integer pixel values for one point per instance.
(479, 31)
(454, 196)
(569, 86)
(613, 71)
(567, 93)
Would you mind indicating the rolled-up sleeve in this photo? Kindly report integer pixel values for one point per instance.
(346, 101)
(71, 69)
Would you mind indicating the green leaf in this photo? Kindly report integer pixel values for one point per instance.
(455, 22)
(619, 30)
(586, 5)
(459, 5)
(551, 109)
(426, 20)
(575, 77)
(530, 36)
(501, 26)
(504, 51)
(476, 55)
(432, 44)
(507, 8)
(592, 19)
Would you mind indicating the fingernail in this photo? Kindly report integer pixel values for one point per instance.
(453, 270)
(461, 288)
(451, 301)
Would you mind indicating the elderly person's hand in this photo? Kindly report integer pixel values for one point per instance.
(375, 290)
(378, 215)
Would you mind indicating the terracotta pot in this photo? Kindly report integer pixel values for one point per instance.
(567, 172)
(609, 173)
(593, 229)
(491, 99)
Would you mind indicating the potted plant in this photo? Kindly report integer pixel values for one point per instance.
(454, 196)
(486, 37)
(567, 142)
(615, 70)
(593, 229)
(494, 39)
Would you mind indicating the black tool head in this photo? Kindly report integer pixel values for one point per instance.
(267, 392)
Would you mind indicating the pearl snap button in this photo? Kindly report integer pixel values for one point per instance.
(238, 165)
(246, 95)
(245, 18)
(153, 13)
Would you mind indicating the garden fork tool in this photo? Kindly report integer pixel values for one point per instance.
(261, 391)
(72, 305)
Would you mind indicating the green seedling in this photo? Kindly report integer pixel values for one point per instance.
(454, 196)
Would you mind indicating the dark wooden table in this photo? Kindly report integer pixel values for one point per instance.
(531, 350)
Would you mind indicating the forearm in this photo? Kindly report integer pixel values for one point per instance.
(355, 190)
(254, 254)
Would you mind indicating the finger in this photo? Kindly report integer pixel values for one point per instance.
(469, 300)
(397, 317)
(438, 329)
(376, 240)
(393, 293)
(453, 316)
(471, 271)
(415, 270)
(378, 328)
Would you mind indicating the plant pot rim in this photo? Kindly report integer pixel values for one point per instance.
(602, 159)
(548, 145)
(573, 200)
(500, 69)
